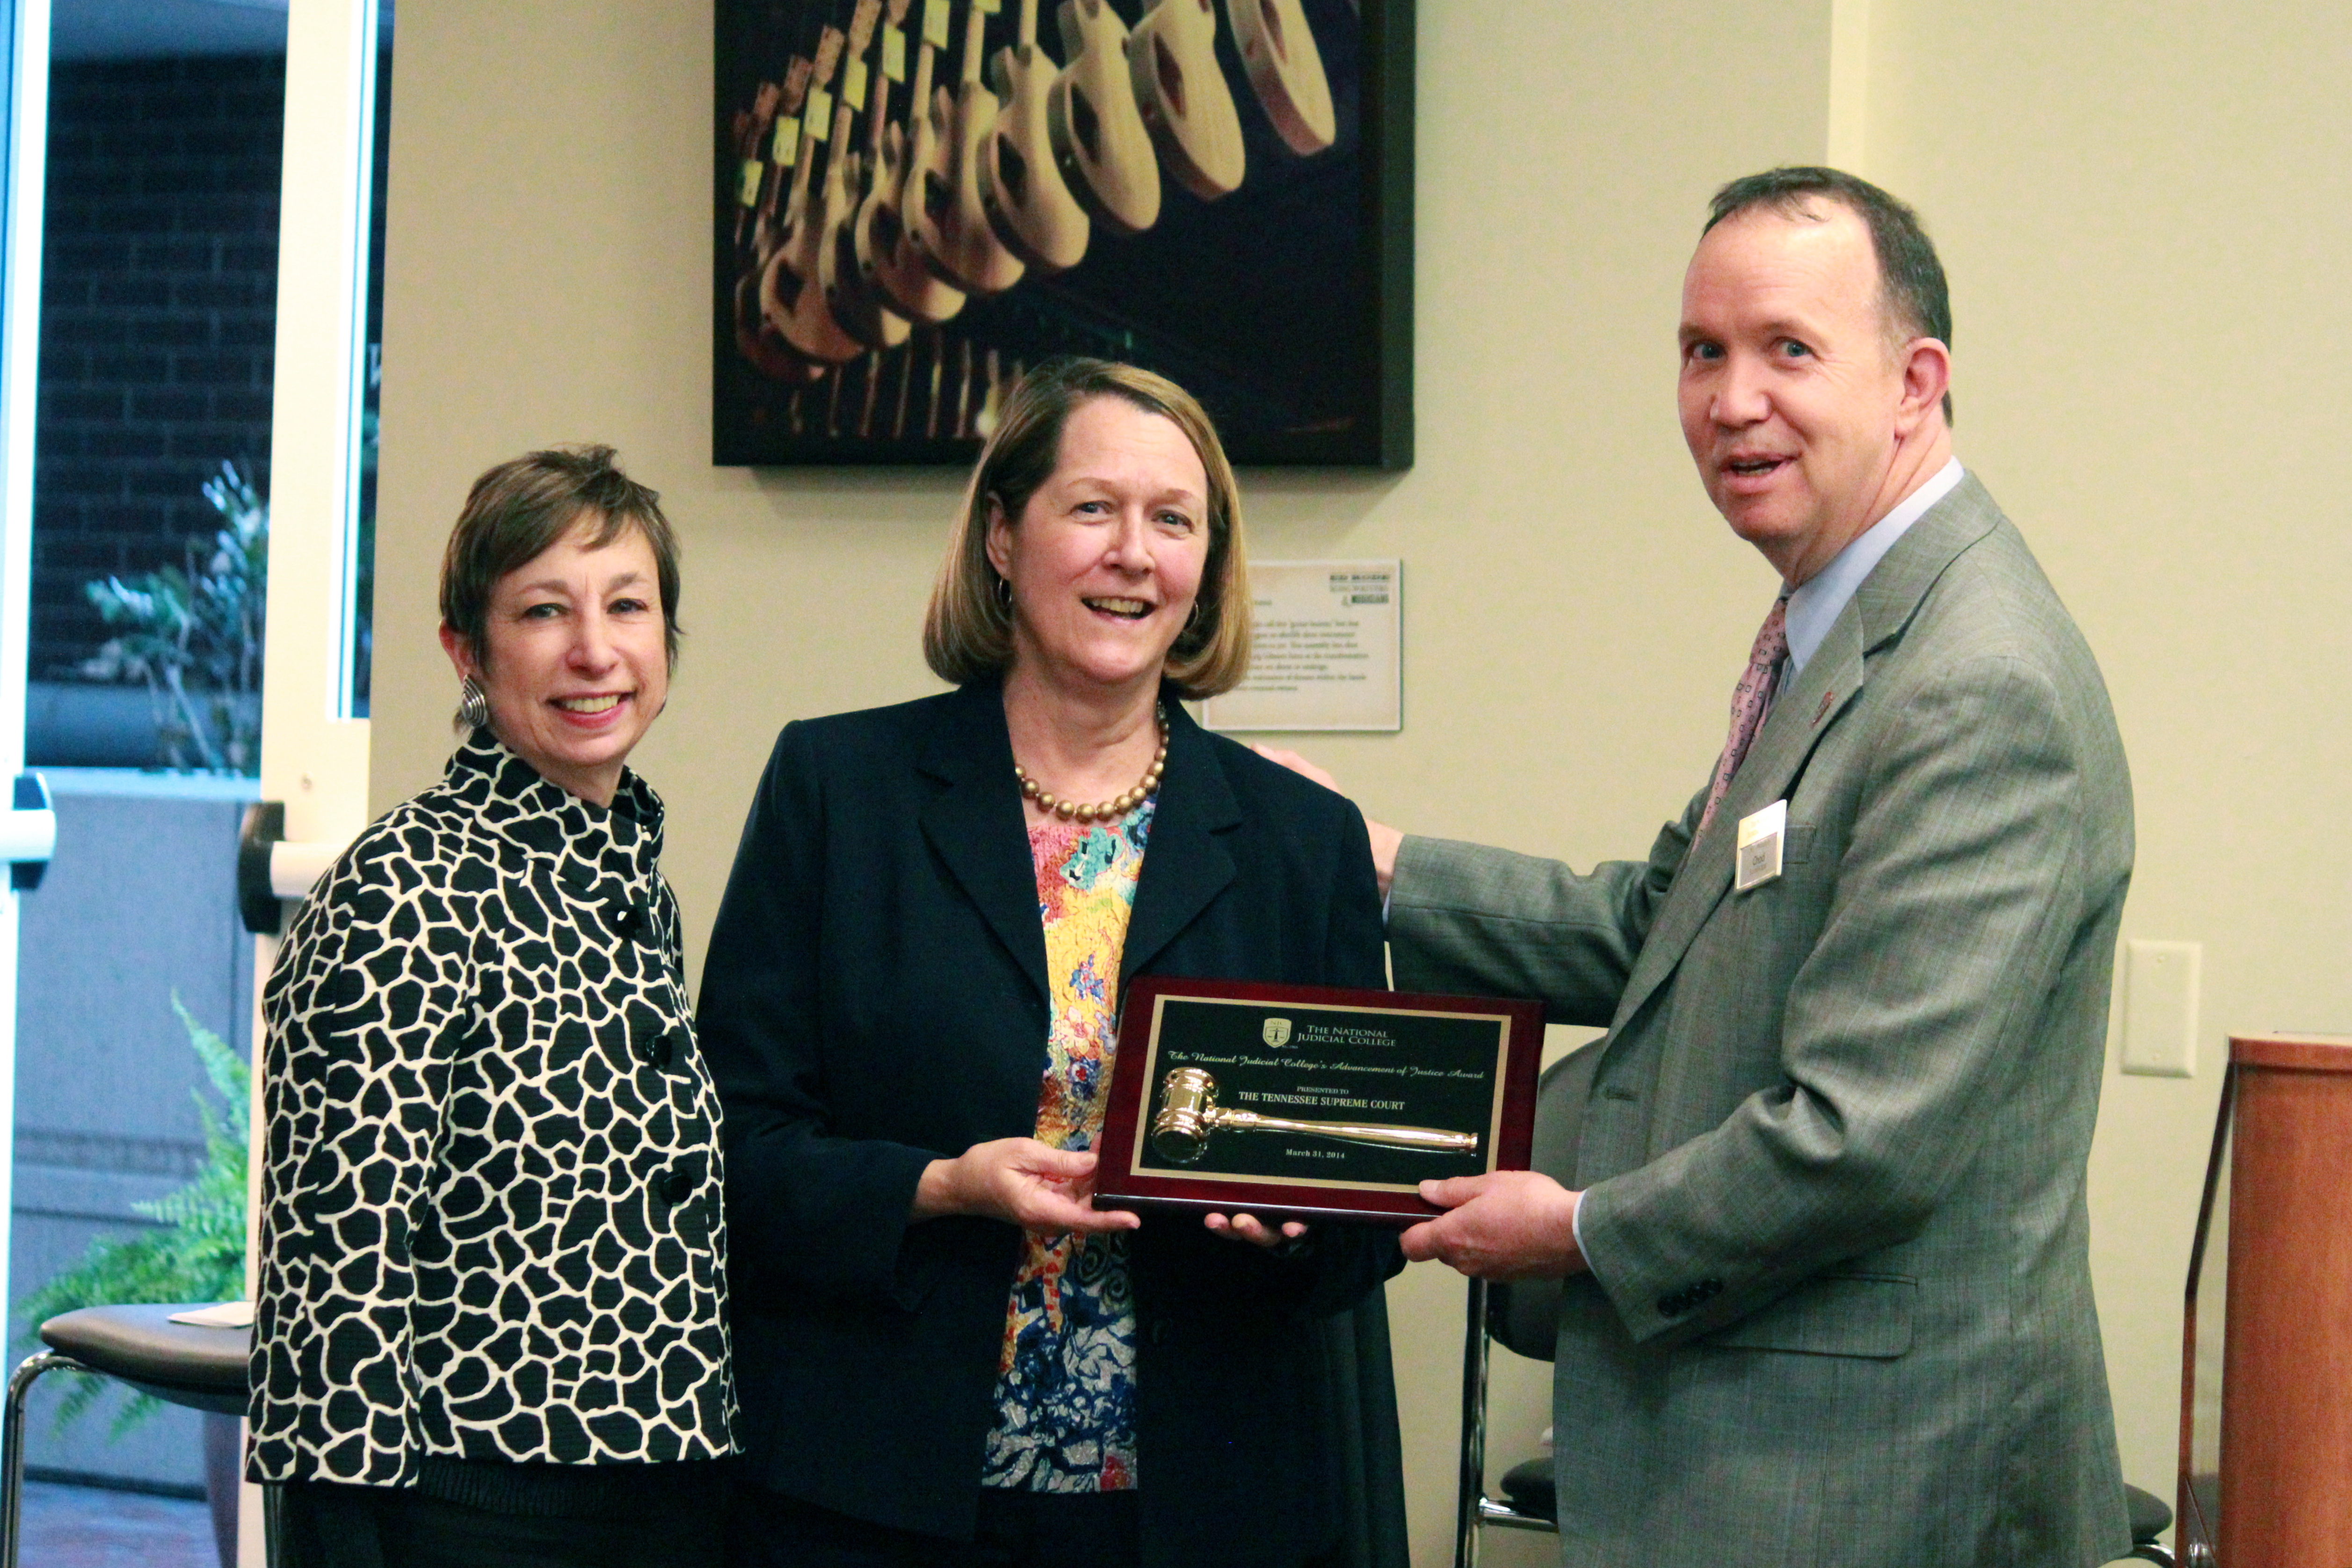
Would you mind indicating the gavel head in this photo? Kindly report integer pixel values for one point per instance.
(1180, 1131)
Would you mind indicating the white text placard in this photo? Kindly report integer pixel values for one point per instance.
(1327, 649)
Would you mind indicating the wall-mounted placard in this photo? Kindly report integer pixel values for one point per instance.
(1327, 649)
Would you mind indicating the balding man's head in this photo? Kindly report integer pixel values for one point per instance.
(1913, 294)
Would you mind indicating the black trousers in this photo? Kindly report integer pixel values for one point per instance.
(327, 1526)
(1017, 1530)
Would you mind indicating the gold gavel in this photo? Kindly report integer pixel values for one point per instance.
(1188, 1112)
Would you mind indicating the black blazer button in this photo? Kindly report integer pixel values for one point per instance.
(1674, 1304)
(1156, 1332)
(657, 1050)
(628, 919)
(675, 1186)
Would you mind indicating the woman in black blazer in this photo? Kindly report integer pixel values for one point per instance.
(944, 1354)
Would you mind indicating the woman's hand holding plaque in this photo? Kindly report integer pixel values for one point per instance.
(1022, 1182)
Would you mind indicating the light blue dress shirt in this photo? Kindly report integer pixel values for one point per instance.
(1814, 605)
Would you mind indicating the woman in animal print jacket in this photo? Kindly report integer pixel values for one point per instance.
(491, 1319)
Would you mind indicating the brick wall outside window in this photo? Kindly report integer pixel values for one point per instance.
(158, 319)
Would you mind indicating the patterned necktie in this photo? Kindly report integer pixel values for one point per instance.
(1750, 704)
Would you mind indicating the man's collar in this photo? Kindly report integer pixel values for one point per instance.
(1816, 602)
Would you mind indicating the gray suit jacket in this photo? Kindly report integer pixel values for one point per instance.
(1839, 1309)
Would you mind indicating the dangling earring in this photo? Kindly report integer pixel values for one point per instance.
(1192, 621)
(473, 708)
(1004, 593)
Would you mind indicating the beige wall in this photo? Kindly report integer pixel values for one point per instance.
(2143, 226)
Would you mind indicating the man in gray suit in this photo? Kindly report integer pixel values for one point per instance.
(1828, 1298)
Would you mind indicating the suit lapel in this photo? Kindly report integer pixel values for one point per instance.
(1186, 863)
(1832, 678)
(1801, 716)
(974, 822)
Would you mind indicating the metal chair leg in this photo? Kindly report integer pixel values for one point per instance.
(277, 1538)
(11, 1445)
(1471, 1489)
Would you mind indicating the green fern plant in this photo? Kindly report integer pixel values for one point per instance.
(198, 1254)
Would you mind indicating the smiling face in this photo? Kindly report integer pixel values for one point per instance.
(1808, 419)
(576, 664)
(1106, 557)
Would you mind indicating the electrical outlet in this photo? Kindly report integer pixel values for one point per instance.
(2160, 984)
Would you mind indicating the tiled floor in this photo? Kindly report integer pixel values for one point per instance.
(88, 1527)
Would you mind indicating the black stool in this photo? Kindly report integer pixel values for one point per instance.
(2151, 1516)
(203, 1369)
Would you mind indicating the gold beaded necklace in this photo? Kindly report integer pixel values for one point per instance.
(1118, 806)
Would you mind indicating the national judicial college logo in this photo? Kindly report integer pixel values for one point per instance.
(1277, 1031)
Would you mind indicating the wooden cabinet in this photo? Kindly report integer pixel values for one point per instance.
(2284, 1400)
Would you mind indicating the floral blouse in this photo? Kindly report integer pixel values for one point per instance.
(1065, 1378)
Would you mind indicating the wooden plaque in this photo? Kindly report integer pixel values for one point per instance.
(1310, 1103)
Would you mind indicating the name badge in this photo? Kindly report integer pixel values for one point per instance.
(1761, 838)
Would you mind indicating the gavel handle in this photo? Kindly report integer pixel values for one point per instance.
(1421, 1139)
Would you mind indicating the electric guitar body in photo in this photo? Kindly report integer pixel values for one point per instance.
(895, 232)
(888, 258)
(783, 199)
(860, 307)
(1285, 71)
(1100, 145)
(782, 157)
(969, 254)
(793, 295)
(1021, 187)
(1171, 58)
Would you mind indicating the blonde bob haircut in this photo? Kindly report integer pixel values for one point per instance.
(968, 630)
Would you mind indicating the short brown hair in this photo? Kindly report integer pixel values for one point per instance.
(1913, 294)
(521, 507)
(968, 630)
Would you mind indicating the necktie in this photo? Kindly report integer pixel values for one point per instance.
(1750, 704)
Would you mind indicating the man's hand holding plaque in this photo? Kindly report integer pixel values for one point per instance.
(1512, 1225)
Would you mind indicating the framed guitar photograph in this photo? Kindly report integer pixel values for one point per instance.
(917, 199)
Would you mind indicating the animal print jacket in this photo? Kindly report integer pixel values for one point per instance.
(490, 1222)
